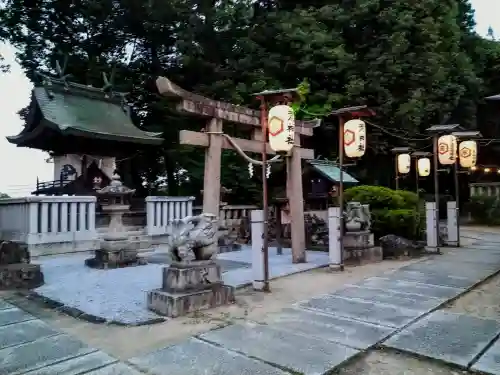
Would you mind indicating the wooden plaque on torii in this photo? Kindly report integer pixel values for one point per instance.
(216, 112)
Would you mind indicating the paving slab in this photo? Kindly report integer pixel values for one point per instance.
(404, 300)
(5, 305)
(77, 366)
(449, 337)
(14, 315)
(404, 286)
(477, 257)
(473, 271)
(385, 315)
(116, 369)
(43, 352)
(305, 355)
(345, 331)
(20, 333)
(489, 362)
(431, 278)
(196, 357)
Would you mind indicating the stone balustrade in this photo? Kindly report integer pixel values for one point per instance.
(231, 216)
(50, 224)
(161, 210)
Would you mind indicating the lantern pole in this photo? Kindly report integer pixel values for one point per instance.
(460, 135)
(396, 172)
(417, 155)
(417, 177)
(265, 242)
(340, 195)
(341, 114)
(275, 97)
(438, 130)
(396, 151)
(436, 188)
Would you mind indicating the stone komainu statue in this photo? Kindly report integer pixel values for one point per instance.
(193, 237)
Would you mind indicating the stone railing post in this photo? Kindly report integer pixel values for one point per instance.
(162, 210)
(430, 224)
(452, 223)
(257, 222)
(334, 238)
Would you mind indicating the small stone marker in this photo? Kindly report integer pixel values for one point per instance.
(449, 337)
(257, 232)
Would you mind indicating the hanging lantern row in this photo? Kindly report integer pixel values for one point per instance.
(354, 138)
(423, 165)
(404, 163)
(467, 152)
(447, 151)
(281, 128)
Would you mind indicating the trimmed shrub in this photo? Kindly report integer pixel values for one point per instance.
(396, 212)
(378, 197)
(484, 210)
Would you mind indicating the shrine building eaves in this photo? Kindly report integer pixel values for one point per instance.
(65, 109)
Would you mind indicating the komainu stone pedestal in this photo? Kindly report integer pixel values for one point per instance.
(116, 254)
(359, 248)
(190, 287)
(16, 271)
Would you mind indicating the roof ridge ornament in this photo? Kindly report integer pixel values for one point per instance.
(107, 88)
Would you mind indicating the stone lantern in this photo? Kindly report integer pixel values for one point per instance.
(117, 249)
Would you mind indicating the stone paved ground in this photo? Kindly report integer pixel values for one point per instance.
(313, 336)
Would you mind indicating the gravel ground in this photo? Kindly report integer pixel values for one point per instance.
(384, 362)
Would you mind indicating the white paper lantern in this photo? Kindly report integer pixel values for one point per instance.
(281, 128)
(404, 163)
(354, 138)
(447, 149)
(467, 153)
(424, 167)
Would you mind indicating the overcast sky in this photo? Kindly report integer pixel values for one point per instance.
(19, 167)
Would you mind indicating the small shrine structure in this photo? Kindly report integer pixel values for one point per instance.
(83, 128)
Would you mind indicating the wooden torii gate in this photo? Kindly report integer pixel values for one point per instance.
(214, 142)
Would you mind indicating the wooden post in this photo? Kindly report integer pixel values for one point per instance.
(296, 204)
(279, 229)
(211, 179)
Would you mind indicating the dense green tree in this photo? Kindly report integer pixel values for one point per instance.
(415, 64)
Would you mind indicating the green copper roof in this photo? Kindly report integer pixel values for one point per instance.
(78, 110)
(331, 171)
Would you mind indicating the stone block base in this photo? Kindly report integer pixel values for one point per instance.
(116, 254)
(358, 240)
(178, 304)
(20, 276)
(192, 276)
(360, 257)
